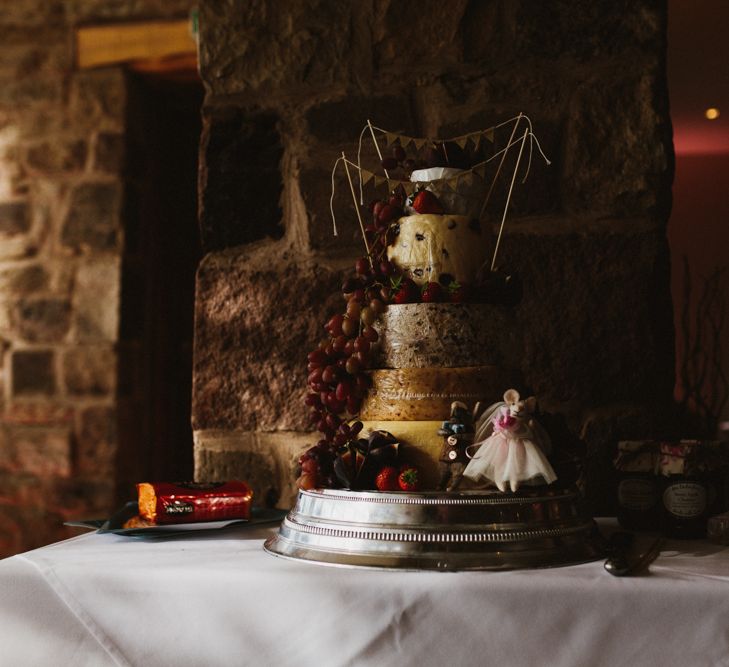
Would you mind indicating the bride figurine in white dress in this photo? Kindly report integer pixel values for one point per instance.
(511, 446)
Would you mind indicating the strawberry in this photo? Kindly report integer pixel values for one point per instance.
(458, 293)
(404, 290)
(432, 293)
(408, 479)
(387, 479)
(426, 202)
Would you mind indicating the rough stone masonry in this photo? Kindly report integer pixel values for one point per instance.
(288, 87)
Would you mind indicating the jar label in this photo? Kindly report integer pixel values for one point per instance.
(637, 494)
(685, 499)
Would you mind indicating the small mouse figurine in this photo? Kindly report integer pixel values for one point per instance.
(512, 446)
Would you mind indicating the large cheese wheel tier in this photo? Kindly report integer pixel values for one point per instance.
(427, 393)
(424, 335)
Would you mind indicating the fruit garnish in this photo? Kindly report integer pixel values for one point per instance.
(405, 290)
(408, 480)
(387, 479)
(458, 293)
(426, 202)
(432, 293)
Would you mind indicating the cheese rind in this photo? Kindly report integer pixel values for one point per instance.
(428, 246)
(421, 445)
(424, 335)
(421, 394)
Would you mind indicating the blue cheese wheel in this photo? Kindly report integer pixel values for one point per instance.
(430, 246)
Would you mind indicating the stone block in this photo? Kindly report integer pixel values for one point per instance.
(89, 370)
(35, 13)
(584, 32)
(595, 325)
(339, 121)
(99, 94)
(316, 189)
(109, 152)
(43, 320)
(97, 442)
(22, 280)
(259, 48)
(240, 178)
(41, 413)
(42, 451)
(418, 36)
(92, 220)
(96, 300)
(57, 156)
(33, 373)
(266, 461)
(90, 11)
(618, 154)
(14, 218)
(258, 313)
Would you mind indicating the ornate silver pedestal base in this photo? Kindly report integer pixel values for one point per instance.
(478, 530)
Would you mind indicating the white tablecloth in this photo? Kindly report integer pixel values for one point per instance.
(220, 600)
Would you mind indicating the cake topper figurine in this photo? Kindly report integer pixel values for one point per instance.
(512, 446)
(457, 432)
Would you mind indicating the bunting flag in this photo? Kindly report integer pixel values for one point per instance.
(466, 177)
(463, 140)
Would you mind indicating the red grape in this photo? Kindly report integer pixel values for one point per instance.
(343, 390)
(368, 317)
(370, 334)
(353, 365)
(361, 344)
(317, 357)
(349, 327)
(353, 309)
(339, 342)
(387, 213)
(329, 374)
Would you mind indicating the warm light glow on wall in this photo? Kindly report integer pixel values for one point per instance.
(711, 113)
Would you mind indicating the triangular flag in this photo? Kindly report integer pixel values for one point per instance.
(366, 176)
(419, 143)
(379, 180)
(462, 141)
(409, 187)
(390, 138)
(467, 178)
(480, 169)
(489, 134)
(476, 140)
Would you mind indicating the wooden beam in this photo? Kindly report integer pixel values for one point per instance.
(124, 42)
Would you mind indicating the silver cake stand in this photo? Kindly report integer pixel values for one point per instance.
(479, 530)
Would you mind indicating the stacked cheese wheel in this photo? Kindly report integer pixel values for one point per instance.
(432, 354)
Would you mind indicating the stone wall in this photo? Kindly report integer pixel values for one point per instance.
(61, 236)
(290, 86)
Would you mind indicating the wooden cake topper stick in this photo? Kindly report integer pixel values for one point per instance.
(356, 208)
(501, 164)
(508, 197)
(377, 148)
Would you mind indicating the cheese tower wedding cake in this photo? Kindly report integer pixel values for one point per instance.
(425, 321)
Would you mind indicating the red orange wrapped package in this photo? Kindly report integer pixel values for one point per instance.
(189, 502)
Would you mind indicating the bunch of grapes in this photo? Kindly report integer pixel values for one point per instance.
(337, 380)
